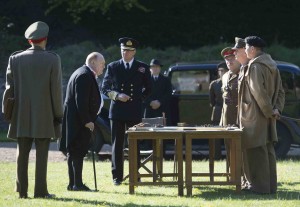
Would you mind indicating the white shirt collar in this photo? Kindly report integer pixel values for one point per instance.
(130, 63)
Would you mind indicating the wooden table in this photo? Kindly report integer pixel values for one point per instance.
(234, 135)
(158, 135)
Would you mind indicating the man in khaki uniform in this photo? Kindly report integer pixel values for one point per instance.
(34, 80)
(261, 100)
(230, 93)
(230, 88)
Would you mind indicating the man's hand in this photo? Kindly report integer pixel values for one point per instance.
(276, 114)
(90, 126)
(123, 97)
(155, 104)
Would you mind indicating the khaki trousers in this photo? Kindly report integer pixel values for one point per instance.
(23, 150)
(260, 168)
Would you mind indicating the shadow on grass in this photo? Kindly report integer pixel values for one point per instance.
(217, 193)
(99, 202)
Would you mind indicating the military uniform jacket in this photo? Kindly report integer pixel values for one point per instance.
(81, 105)
(260, 92)
(161, 91)
(230, 99)
(34, 79)
(215, 99)
(135, 82)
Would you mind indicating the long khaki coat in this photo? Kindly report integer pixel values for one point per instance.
(260, 92)
(230, 99)
(34, 79)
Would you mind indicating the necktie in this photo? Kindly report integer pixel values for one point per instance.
(127, 66)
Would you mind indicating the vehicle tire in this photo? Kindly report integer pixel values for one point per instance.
(97, 143)
(283, 145)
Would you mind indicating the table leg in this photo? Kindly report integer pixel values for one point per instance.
(133, 171)
(211, 152)
(238, 155)
(154, 160)
(180, 166)
(188, 165)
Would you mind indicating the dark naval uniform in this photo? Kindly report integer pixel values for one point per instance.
(134, 82)
(161, 91)
(216, 100)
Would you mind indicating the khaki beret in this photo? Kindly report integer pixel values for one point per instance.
(37, 31)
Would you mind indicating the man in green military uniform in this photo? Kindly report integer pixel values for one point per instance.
(34, 81)
(127, 82)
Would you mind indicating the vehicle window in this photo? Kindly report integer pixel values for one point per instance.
(297, 86)
(191, 82)
(288, 85)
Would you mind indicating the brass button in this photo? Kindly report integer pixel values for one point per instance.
(131, 85)
(131, 89)
(131, 94)
(122, 89)
(122, 84)
(131, 99)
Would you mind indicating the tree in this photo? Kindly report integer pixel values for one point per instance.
(77, 7)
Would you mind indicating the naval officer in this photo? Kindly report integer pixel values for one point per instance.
(126, 82)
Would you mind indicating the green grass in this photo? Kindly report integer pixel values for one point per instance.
(110, 195)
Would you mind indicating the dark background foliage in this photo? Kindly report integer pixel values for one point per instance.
(184, 25)
(159, 24)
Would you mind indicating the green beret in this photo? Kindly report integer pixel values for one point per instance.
(37, 31)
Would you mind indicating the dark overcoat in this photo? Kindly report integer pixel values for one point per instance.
(135, 82)
(161, 90)
(215, 99)
(81, 106)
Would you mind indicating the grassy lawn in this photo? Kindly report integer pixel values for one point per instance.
(110, 195)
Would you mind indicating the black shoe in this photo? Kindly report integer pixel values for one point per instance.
(70, 187)
(81, 188)
(21, 195)
(49, 196)
(117, 182)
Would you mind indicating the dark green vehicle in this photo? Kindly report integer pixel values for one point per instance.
(190, 101)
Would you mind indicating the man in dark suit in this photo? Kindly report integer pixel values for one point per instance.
(34, 81)
(126, 82)
(158, 102)
(82, 104)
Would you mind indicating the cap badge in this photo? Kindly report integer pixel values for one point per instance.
(129, 43)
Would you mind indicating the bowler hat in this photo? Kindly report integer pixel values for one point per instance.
(37, 31)
(227, 51)
(255, 41)
(128, 43)
(239, 43)
(155, 62)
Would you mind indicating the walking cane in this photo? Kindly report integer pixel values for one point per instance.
(93, 157)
